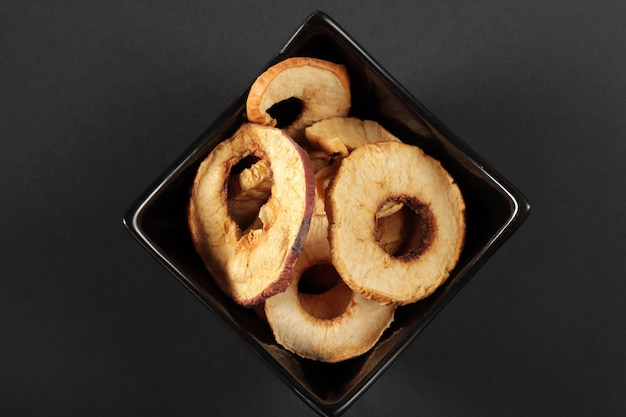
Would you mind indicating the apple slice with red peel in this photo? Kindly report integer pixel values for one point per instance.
(251, 254)
(321, 88)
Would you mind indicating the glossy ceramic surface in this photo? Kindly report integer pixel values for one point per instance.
(495, 209)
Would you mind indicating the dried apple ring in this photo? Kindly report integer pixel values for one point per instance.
(320, 87)
(379, 181)
(319, 317)
(254, 261)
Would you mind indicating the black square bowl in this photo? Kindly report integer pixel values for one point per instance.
(494, 210)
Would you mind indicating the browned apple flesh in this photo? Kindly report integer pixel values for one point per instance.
(250, 248)
(398, 181)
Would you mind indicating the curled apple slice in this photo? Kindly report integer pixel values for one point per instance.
(252, 259)
(394, 189)
(248, 191)
(344, 134)
(308, 89)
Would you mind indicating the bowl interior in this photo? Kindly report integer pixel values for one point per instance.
(494, 210)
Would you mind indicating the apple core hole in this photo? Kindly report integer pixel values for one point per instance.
(404, 228)
(249, 188)
(285, 112)
(322, 293)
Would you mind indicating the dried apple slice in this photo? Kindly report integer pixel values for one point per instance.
(393, 226)
(319, 317)
(316, 244)
(248, 191)
(344, 134)
(251, 262)
(378, 181)
(320, 88)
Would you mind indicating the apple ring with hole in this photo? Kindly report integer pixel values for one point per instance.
(318, 316)
(398, 182)
(300, 91)
(249, 211)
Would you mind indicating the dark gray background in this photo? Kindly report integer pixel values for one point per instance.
(98, 98)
